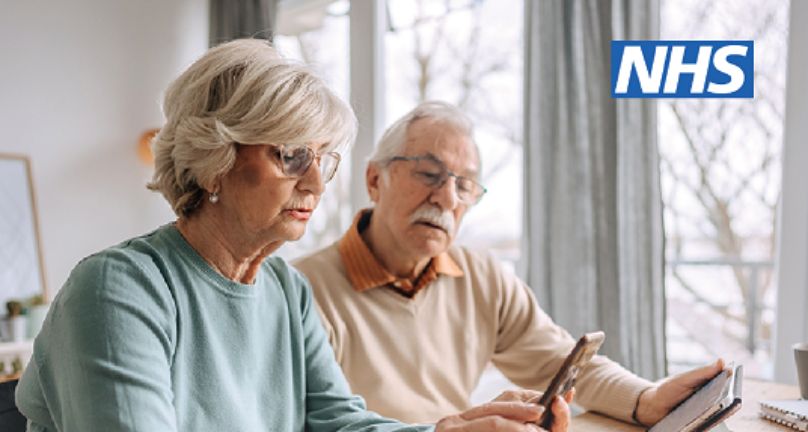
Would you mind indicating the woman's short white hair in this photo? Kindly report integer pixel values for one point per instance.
(240, 92)
(394, 139)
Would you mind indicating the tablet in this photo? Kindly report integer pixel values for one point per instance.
(711, 404)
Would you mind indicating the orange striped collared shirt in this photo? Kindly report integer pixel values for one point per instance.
(366, 272)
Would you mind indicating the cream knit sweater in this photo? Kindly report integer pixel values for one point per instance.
(418, 360)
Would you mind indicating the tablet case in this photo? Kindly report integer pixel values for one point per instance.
(714, 402)
(730, 405)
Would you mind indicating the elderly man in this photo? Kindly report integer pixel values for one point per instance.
(414, 320)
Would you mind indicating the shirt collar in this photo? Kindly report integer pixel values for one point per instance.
(366, 272)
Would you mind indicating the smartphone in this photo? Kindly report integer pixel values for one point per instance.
(564, 379)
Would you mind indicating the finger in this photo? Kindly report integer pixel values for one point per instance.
(535, 399)
(697, 377)
(533, 427)
(507, 396)
(561, 415)
(713, 369)
(570, 394)
(485, 424)
(708, 372)
(518, 396)
(518, 411)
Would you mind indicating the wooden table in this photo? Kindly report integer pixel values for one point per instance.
(745, 420)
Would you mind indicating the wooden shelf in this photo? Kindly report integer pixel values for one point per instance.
(10, 351)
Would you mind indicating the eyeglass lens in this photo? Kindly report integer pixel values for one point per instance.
(432, 174)
(328, 165)
(295, 162)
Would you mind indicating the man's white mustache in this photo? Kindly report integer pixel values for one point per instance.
(434, 216)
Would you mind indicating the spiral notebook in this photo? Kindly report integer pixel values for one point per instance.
(792, 413)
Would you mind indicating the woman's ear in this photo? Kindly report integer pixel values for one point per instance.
(212, 187)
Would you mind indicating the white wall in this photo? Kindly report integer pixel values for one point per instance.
(80, 80)
(792, 254)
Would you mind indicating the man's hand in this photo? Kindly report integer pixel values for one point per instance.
(509, 413)
(656, 402)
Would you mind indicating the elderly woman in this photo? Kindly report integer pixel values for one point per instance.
(195, 326)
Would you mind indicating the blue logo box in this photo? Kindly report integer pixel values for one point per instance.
(683, 69)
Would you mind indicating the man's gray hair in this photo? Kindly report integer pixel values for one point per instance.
(394, 139)
(241, 92)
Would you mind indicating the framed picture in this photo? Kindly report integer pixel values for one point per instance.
(22, 274)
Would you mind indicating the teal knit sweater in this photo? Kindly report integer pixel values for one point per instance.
(146, 336)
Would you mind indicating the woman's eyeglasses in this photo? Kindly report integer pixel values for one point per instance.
(295, 161)
(434, 175)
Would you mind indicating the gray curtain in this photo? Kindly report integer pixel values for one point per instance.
(594, 236)
(239, 19)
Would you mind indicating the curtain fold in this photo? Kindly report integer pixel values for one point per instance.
(594, 236)
(241, 19)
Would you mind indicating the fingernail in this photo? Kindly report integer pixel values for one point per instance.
(536, 408)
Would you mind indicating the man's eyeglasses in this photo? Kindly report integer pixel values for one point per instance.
(295, 161)
(434, 175)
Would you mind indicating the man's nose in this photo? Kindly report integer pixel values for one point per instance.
(446, 195)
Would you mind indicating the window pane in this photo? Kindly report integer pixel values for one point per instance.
(720, 173)
(468, 53)
(326, 48)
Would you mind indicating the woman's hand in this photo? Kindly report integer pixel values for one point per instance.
(510, 416)
(520, 395)
(561, 413)
(523, 395)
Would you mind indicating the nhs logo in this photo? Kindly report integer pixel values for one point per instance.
(683, 69)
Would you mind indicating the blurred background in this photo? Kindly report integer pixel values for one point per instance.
(82, 80)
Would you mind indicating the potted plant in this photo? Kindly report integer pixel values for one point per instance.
(37, 311)
(15, 321)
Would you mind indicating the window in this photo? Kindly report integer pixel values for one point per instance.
(720, 174)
